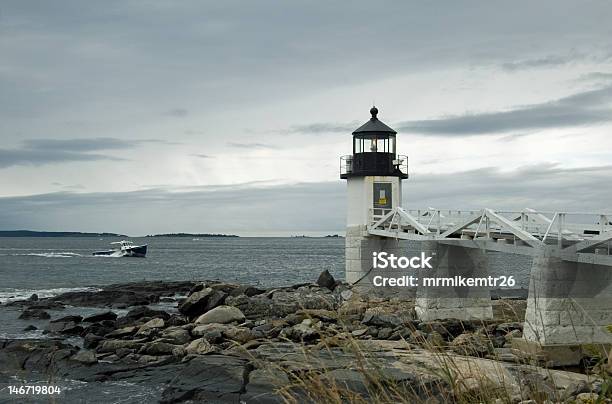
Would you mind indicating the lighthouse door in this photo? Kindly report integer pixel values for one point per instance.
(382, 195)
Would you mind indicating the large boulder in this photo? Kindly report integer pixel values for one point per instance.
(326, 280)
(221, 315)
(202, 301)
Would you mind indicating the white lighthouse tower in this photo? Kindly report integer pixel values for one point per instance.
(374, 174)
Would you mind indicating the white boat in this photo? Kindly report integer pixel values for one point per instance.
(125, 249)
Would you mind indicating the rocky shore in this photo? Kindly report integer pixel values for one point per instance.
(321, 342)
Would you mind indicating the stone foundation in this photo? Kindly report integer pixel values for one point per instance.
(569, 303)
(464, 303)
(358, 253)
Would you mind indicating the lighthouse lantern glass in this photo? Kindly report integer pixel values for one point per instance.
(374, 144)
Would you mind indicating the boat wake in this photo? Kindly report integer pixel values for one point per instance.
(61, 254)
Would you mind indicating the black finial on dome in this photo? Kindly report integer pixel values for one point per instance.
(374, 112)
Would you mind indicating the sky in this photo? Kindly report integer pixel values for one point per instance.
(142, 117)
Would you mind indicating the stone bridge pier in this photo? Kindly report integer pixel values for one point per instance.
(569, 308)
(460, 302)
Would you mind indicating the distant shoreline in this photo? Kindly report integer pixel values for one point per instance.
(31, 233)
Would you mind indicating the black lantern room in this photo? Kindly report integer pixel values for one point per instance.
(374, 152)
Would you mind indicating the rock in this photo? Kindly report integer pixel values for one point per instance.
(346, 294)
(575, 388)
(157, 348)
(385, 333)
(359, 333)
(195, 303)
(98, 329)
(34, 313)
(196, 288)
(238, 334)
(144, 311)
(127, 294)
(176, 336)
(111, 345)
(221, 315)
(435, 340)
(67, 327)
(202, 301)
(471, 345)
(107, 315)
(176, 320)
(301, 332)
(352, 308)
(210, 379)
(249, 291)
(378, 318)
(85, 357)
(151, 324)
(326, 280)
(91, 341)
(66, 319)
(33, 298)
(30, 328)
(122, 332)
(212, 333)
(279, 303)
(199, 347)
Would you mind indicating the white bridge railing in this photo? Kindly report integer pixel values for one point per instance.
(517, 231)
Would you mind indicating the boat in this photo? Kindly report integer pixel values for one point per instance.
(125, 249)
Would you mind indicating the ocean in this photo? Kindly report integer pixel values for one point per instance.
(50, 266)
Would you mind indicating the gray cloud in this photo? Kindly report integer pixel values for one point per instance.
(203, 156)
(36, 152)
(261, 209)
(585, 108)
(37, 157)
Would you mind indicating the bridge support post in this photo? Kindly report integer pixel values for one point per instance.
(568, 308)
(360, 246)
(463, 303)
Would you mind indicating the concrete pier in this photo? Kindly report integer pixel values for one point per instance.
(568, 308)
(360, 246)
(464, 303)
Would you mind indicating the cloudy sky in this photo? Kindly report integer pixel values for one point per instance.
(156, 116)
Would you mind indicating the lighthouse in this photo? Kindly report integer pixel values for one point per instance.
(374, 174)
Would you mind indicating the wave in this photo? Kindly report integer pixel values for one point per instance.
(8, 295)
